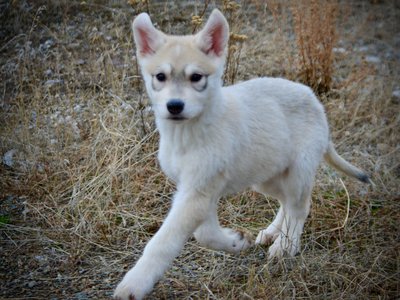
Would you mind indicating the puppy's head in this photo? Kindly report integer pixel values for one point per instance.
(181, 73)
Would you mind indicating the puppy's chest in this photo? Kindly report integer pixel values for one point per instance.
(189, 164)
(170, 166)
(174, 161)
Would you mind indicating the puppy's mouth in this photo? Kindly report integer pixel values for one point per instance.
(176, 118)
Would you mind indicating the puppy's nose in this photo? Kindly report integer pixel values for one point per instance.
(175, 106)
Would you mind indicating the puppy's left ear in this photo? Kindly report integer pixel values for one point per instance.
(213, 38)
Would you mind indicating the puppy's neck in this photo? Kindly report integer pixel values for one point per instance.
(199, 128)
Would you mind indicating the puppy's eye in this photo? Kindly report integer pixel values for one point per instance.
(161, 77)
(196, 77)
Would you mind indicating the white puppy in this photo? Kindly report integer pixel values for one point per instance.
(270, 134)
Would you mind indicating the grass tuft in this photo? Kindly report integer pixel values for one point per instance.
(315, 30)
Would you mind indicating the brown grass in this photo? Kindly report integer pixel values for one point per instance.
(85, 193)
(315, 30)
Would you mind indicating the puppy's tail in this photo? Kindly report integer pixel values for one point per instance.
(336, 161)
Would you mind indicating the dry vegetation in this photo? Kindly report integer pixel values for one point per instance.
(81, 191)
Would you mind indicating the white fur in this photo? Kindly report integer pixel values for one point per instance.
(269, 134)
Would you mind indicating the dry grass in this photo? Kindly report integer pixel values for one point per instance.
(315, 30)
(84, 192)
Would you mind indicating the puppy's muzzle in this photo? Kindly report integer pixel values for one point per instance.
(175, 106)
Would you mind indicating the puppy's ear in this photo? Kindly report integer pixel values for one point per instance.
(213, 38)
(147, 38)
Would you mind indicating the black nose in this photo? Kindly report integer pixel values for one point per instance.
(175, 106)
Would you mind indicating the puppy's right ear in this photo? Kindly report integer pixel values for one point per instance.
(147, 38)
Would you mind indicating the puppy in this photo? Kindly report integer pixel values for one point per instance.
(269, 134)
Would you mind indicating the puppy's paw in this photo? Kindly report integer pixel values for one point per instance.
(265, 237)
(132, 287)
(238, 240)
(125, 292)
(284, 247)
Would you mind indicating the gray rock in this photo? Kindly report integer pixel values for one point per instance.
(46, 45)
(396, 96)
(372, 59)
(52, 82)
(48, 72)
(8, 158)
(81, 296)
(80, 62)
(339, 50)
(362, 49)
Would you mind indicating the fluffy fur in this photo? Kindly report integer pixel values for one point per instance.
(269, 134)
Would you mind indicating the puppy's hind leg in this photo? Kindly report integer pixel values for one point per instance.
(296, 189)
(273, 187)
(268, 236)
(211, 235)
(287, 242)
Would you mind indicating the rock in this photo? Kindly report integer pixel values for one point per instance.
(73, 45)
(40, 258)
(81, 296)
(396, 96)
(362, 49)
(339, 50)
(80, 62)
(8, 157)
(383, 148)
(46, 45)
(52, 82)
(77, 108)
(40, 167)
(372, 59)
(33, 119)
(48, 72)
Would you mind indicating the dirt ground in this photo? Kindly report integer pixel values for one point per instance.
(81, 191)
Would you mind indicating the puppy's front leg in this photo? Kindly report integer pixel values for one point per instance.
(188, 210)
(211, 235)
